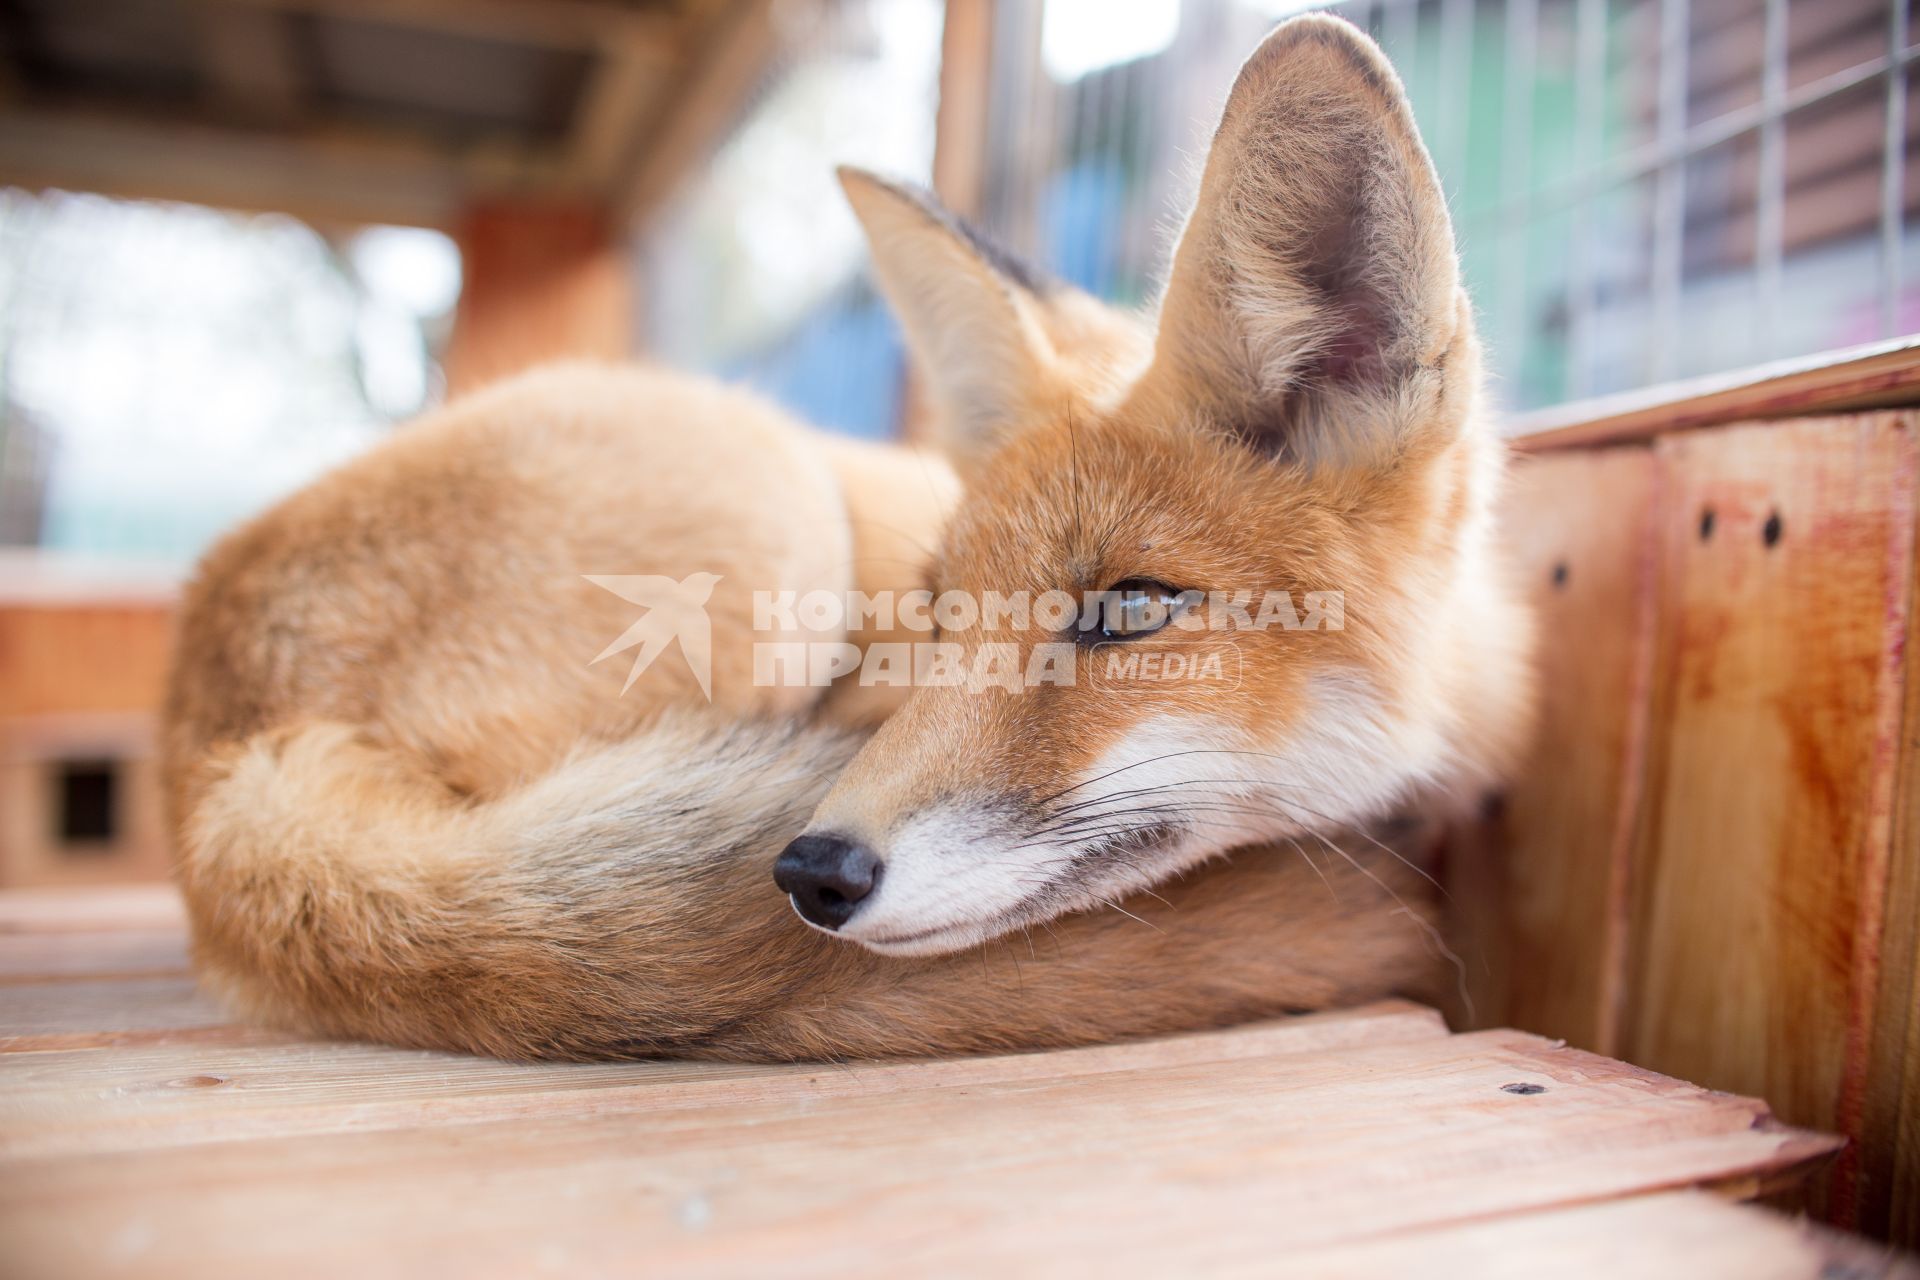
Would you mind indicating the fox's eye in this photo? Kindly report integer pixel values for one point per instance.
(1136, 607)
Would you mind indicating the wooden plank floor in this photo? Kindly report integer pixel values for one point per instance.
(140, 1134)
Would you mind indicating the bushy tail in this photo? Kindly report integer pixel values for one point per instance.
(623, 906)
(619, 905)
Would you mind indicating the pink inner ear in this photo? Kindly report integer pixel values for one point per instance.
(1354, 326)
(1347, 349)
(1349, 354)
(1352, 354)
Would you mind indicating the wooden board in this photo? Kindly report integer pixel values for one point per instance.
(1865, 377)
(66, 657)
(37, 1016)
(1547, 910)
(1888, 1145)
(139, 1135)
(146, 1096)
(129, 953)
(1676, 1236)
(1280, 1152)
(93, 908)
(1761, 864)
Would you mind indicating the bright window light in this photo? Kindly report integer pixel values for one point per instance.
(1278, 9)
(410, 267)
(1080, 36)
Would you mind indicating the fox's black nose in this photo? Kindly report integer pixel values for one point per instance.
(827, 877)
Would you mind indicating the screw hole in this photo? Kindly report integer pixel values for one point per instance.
(1772, 530)
(1706, 524)
(1524, 1088)
(1560, 573)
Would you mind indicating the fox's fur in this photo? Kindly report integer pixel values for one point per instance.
(408, 809)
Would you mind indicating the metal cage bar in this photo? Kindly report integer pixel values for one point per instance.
(1624, 289)
(1893, 169)
(1516, 145)
(1670, 189)
(1770, 198)
(1590, 69)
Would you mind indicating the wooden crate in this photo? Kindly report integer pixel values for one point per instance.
(1713, 871)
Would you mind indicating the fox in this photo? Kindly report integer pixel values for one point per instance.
(409, 806)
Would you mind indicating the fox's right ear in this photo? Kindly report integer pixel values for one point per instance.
(1314, 305)
(970, 313)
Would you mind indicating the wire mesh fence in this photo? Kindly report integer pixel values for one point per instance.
(1644, 190)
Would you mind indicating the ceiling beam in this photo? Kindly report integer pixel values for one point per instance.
(621, 99)
(735, 50)
(554, 24)
(648, 115)
(251, 59)
(326, 176)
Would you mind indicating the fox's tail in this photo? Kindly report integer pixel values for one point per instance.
(619, 905)
(622, 906)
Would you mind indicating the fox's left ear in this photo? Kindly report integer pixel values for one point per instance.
(1314, 299)
(971, 314)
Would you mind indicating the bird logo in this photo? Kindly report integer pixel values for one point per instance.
(675, 610)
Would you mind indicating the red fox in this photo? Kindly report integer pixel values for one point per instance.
(410, 807)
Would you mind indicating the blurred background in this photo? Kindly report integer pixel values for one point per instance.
(241, 239)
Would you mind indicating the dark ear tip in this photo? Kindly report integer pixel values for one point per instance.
(858, 182)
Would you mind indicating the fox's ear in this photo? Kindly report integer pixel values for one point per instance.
(1314, 296)
(970, 313)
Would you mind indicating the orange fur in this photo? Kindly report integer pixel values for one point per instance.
(408, 809)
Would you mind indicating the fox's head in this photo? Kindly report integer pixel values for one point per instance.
(1304, 419)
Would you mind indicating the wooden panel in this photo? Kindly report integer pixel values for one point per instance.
(1881, 373)
(1679, 1236)
(145, 1137)
(114, 954)
(1173, 1169)
(31, 852)
(343, 175)
(1548, 917)
(62, 1015)
(135, 1097)
(1760, 871)
(131, 906)
(1888, 1156)
(61, 659)
(555, 24)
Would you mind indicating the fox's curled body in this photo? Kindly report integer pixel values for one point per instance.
(407, 807)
